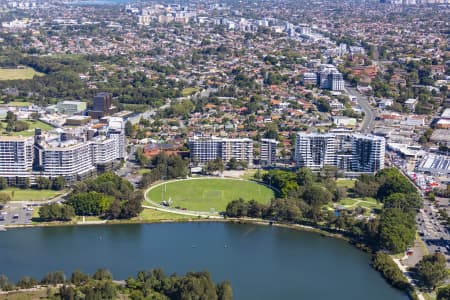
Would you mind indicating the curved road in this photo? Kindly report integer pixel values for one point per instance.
(369, 115)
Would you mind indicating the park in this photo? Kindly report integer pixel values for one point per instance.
(208, 194)
(18, 74)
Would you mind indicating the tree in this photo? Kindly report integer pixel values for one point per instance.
(54, 278)
(56, 212)
(432, 270)
(316, 195)
(224, 291)
(11, 120)
(43, 183)
(4, 198)
(3, 183)
(237, 208)
(102, 274)
(366, 186)
(392, 181)
(397, 230)
(233, 164)
(305, 177)
(133, 206)
(91, 203)
(79, 278)
(27, 282)
(389, 269)
(59, 183)
(405, 202)
(67, 292)
(129, 130)
(283, 210)
(443, 293)
(3, 281)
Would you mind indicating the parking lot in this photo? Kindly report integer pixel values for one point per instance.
(434, 234)
(16, 214)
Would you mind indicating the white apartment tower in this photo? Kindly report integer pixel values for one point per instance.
(348, 152)
(368, 153)
(16, 158)
(69, 159)
(315, 151)
(204, 149)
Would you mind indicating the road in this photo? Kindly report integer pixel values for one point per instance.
(369, 114)
(435, 234)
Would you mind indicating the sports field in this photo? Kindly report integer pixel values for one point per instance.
(209, 194)
(32, 125)
(15, 74)
(30, 194)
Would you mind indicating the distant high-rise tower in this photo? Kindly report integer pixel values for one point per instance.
(102, 106)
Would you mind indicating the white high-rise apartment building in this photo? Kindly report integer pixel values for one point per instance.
(16, 157)
(348, 152)
(239, 149)
(368, 153)
(330, 78)
(69, 159)
(72, 156)
(204, 149)
(268, 152)
(315, 151)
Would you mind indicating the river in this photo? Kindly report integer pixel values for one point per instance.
(261, 262)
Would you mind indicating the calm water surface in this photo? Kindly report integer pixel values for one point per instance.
(261, 262)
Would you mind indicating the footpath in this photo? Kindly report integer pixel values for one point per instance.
(408, 277)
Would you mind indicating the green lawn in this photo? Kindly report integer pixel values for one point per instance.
(30, 194)
(32, 125)
(151, 215)
(15, 74)
(350, 203)
(19, 103)
(209, 194)
(345, 183)
(143, 171)
(189, 91)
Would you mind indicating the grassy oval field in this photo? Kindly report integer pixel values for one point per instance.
(209, 194)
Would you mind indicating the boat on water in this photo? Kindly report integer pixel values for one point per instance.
(2, 228)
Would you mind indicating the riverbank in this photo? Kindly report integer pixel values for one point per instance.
(148, 218)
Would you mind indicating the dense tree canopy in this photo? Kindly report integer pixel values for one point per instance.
(397, 230)
(432, 270)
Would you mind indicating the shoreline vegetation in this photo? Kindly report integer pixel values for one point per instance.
(148, 284)
(260, 222)
(306, 201)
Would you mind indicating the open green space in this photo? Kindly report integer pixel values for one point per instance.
(345, 183)
(209, 194)
(17, 74)
(41, 293)
(152, 215)
(32, 125)
(189, 91)
(19, 103)
(351, 203)
(30, 194)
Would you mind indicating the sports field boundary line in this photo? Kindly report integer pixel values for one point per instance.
(191, 212)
